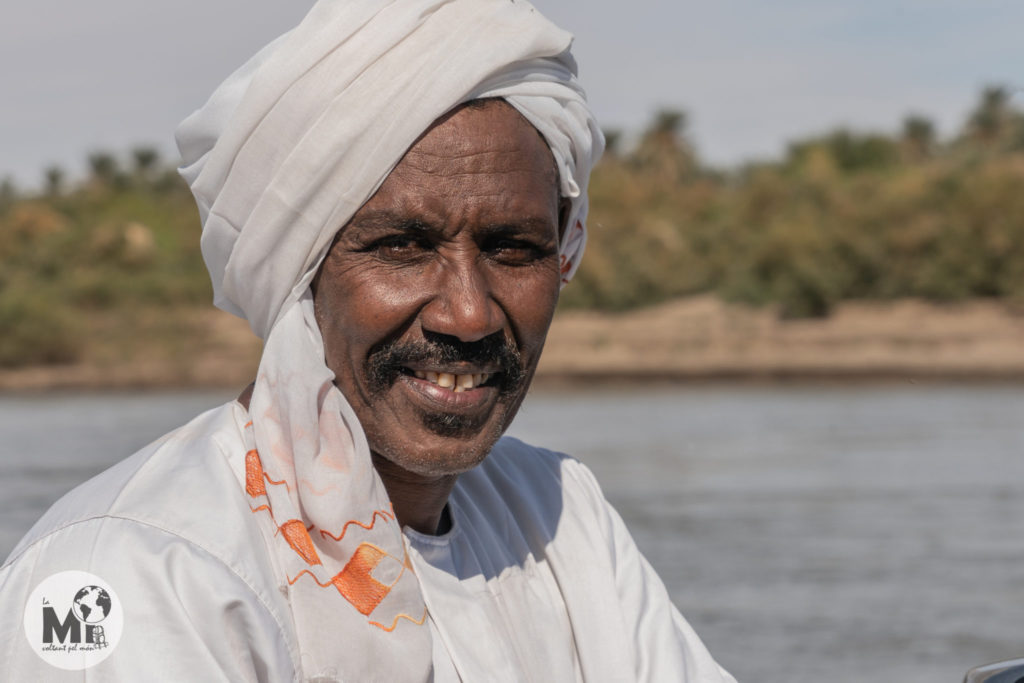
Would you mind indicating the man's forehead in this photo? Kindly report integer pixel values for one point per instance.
(483, 166)
(480, 132)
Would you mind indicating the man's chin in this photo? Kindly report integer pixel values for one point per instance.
(435, 439)
(454, 426)
(448, 446)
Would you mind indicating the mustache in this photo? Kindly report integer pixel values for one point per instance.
(387, 362)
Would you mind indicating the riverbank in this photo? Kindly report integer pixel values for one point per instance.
(704, 338)
(697, 338)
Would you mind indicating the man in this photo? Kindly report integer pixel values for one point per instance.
(392, 194)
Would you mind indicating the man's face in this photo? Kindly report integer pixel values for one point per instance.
(436, 297)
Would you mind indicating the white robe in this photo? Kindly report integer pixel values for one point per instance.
(538, 579)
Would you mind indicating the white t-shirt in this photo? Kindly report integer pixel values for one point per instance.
(537, 580)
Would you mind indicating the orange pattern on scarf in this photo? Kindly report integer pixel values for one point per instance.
(295, 532)
(355, 582)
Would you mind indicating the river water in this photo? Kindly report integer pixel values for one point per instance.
(841, 534)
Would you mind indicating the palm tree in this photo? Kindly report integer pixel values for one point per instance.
(54, 176)
(918, 137)
(8, 192)
(663, 146)
(667, 127)
(103, 167)
(146, 160)
(991, 119)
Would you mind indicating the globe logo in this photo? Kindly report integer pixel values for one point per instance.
(73, 620)
(91, 605)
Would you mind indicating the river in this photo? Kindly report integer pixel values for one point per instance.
(809, 533)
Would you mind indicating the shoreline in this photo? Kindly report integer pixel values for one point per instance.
(698, 340)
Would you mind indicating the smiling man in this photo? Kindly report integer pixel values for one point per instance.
(435, 299)
(392, 194)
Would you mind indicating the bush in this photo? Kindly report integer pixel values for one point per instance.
(37, 330)
(844, 216)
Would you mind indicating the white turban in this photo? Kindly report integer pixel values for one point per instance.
(280, 157)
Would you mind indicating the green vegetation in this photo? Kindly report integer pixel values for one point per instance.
(845, 215)
(121, 244)
(842, 216)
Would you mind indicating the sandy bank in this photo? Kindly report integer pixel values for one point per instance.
(702, 337)
(694, 338)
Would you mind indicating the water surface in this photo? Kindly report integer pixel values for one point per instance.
(808, 533)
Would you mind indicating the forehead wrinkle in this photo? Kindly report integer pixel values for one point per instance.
(511, 158)
(501, 175)
(440, 144)
(389, 218)
(451, 199)
(411, 176)
(408, 176)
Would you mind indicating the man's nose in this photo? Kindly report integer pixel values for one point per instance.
(463, 303)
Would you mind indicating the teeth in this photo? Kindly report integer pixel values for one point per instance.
(450, 380)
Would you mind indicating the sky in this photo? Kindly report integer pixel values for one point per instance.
(752, 75)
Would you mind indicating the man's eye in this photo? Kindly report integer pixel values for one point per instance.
(517, 251)
(398, 246)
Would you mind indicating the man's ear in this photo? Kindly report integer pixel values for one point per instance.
(564, 207)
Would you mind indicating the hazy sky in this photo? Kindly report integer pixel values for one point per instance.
(752, 74)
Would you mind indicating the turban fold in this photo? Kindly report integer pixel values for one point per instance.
(280, 157)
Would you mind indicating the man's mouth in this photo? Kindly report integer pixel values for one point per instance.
(456, 382)
(451, 404)
(454, 388)
(449, 366)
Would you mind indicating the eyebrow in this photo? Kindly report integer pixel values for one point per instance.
(380, 219)
(530, 224)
